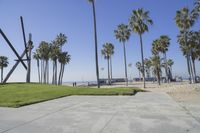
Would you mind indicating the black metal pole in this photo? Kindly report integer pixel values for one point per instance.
(13, 49)
(13, 68)
(24, 35)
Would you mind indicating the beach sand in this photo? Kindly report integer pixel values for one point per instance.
(179, 91)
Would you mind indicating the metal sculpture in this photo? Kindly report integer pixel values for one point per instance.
(27, 52)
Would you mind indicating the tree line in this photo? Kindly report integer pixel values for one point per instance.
(53, 52)
(139, 23)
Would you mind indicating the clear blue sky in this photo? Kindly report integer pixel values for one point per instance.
(46, 18)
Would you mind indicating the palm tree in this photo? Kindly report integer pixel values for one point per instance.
(185, 20)
(197, 44)
(3, 63)
(112, 53)
(139, 23)
(61, 39)
(147, 64)
(64, 58)
(54, 53)
(170, 63)
(155, 47)
(107, 52)
(186, 49)
(36, 56)
(192, 49)
(44, 51)
(163, 48)
(139, 67)
(123, 34)
(197, 5)
(96, 45)
(155, 62)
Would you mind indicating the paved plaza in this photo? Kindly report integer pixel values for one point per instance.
(147, 112)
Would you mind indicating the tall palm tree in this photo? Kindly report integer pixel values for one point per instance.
(64, 58)
(44, 50)
(163, 48)
(139, 67)
(186, 50)
(59, 41)
(155, 59)
(36, 56)
(192, 49)
(54, 53)
(185, 20)
(139, 22)
(123, 34)
(96, 45)
(112, 53)
(3, 63)
(194, 52)
(107, 52)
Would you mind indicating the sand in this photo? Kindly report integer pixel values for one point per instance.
(186, 95)
(181, 91)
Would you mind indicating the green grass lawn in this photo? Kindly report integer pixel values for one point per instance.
(21, 94)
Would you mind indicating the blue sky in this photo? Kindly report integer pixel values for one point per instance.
(46, 18)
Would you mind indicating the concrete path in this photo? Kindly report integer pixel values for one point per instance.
(148, 112)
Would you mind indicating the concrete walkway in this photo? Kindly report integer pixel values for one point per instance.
(149, 112)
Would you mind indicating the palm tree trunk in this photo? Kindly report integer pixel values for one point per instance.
(2, 74)
(188, 65)
(166, 72)
(191, 70)
(48, 72)
(56, 72)
(96, 47)
(126, 78)
(158, 74)
(171, 72)
(38, 66)
(108, 72)
(188, 58)
(111, 69)
(63, 70)
(45, 71)
(53, 79)
(60, 73)
(143, 72)
(194, 69)
(42, 71)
